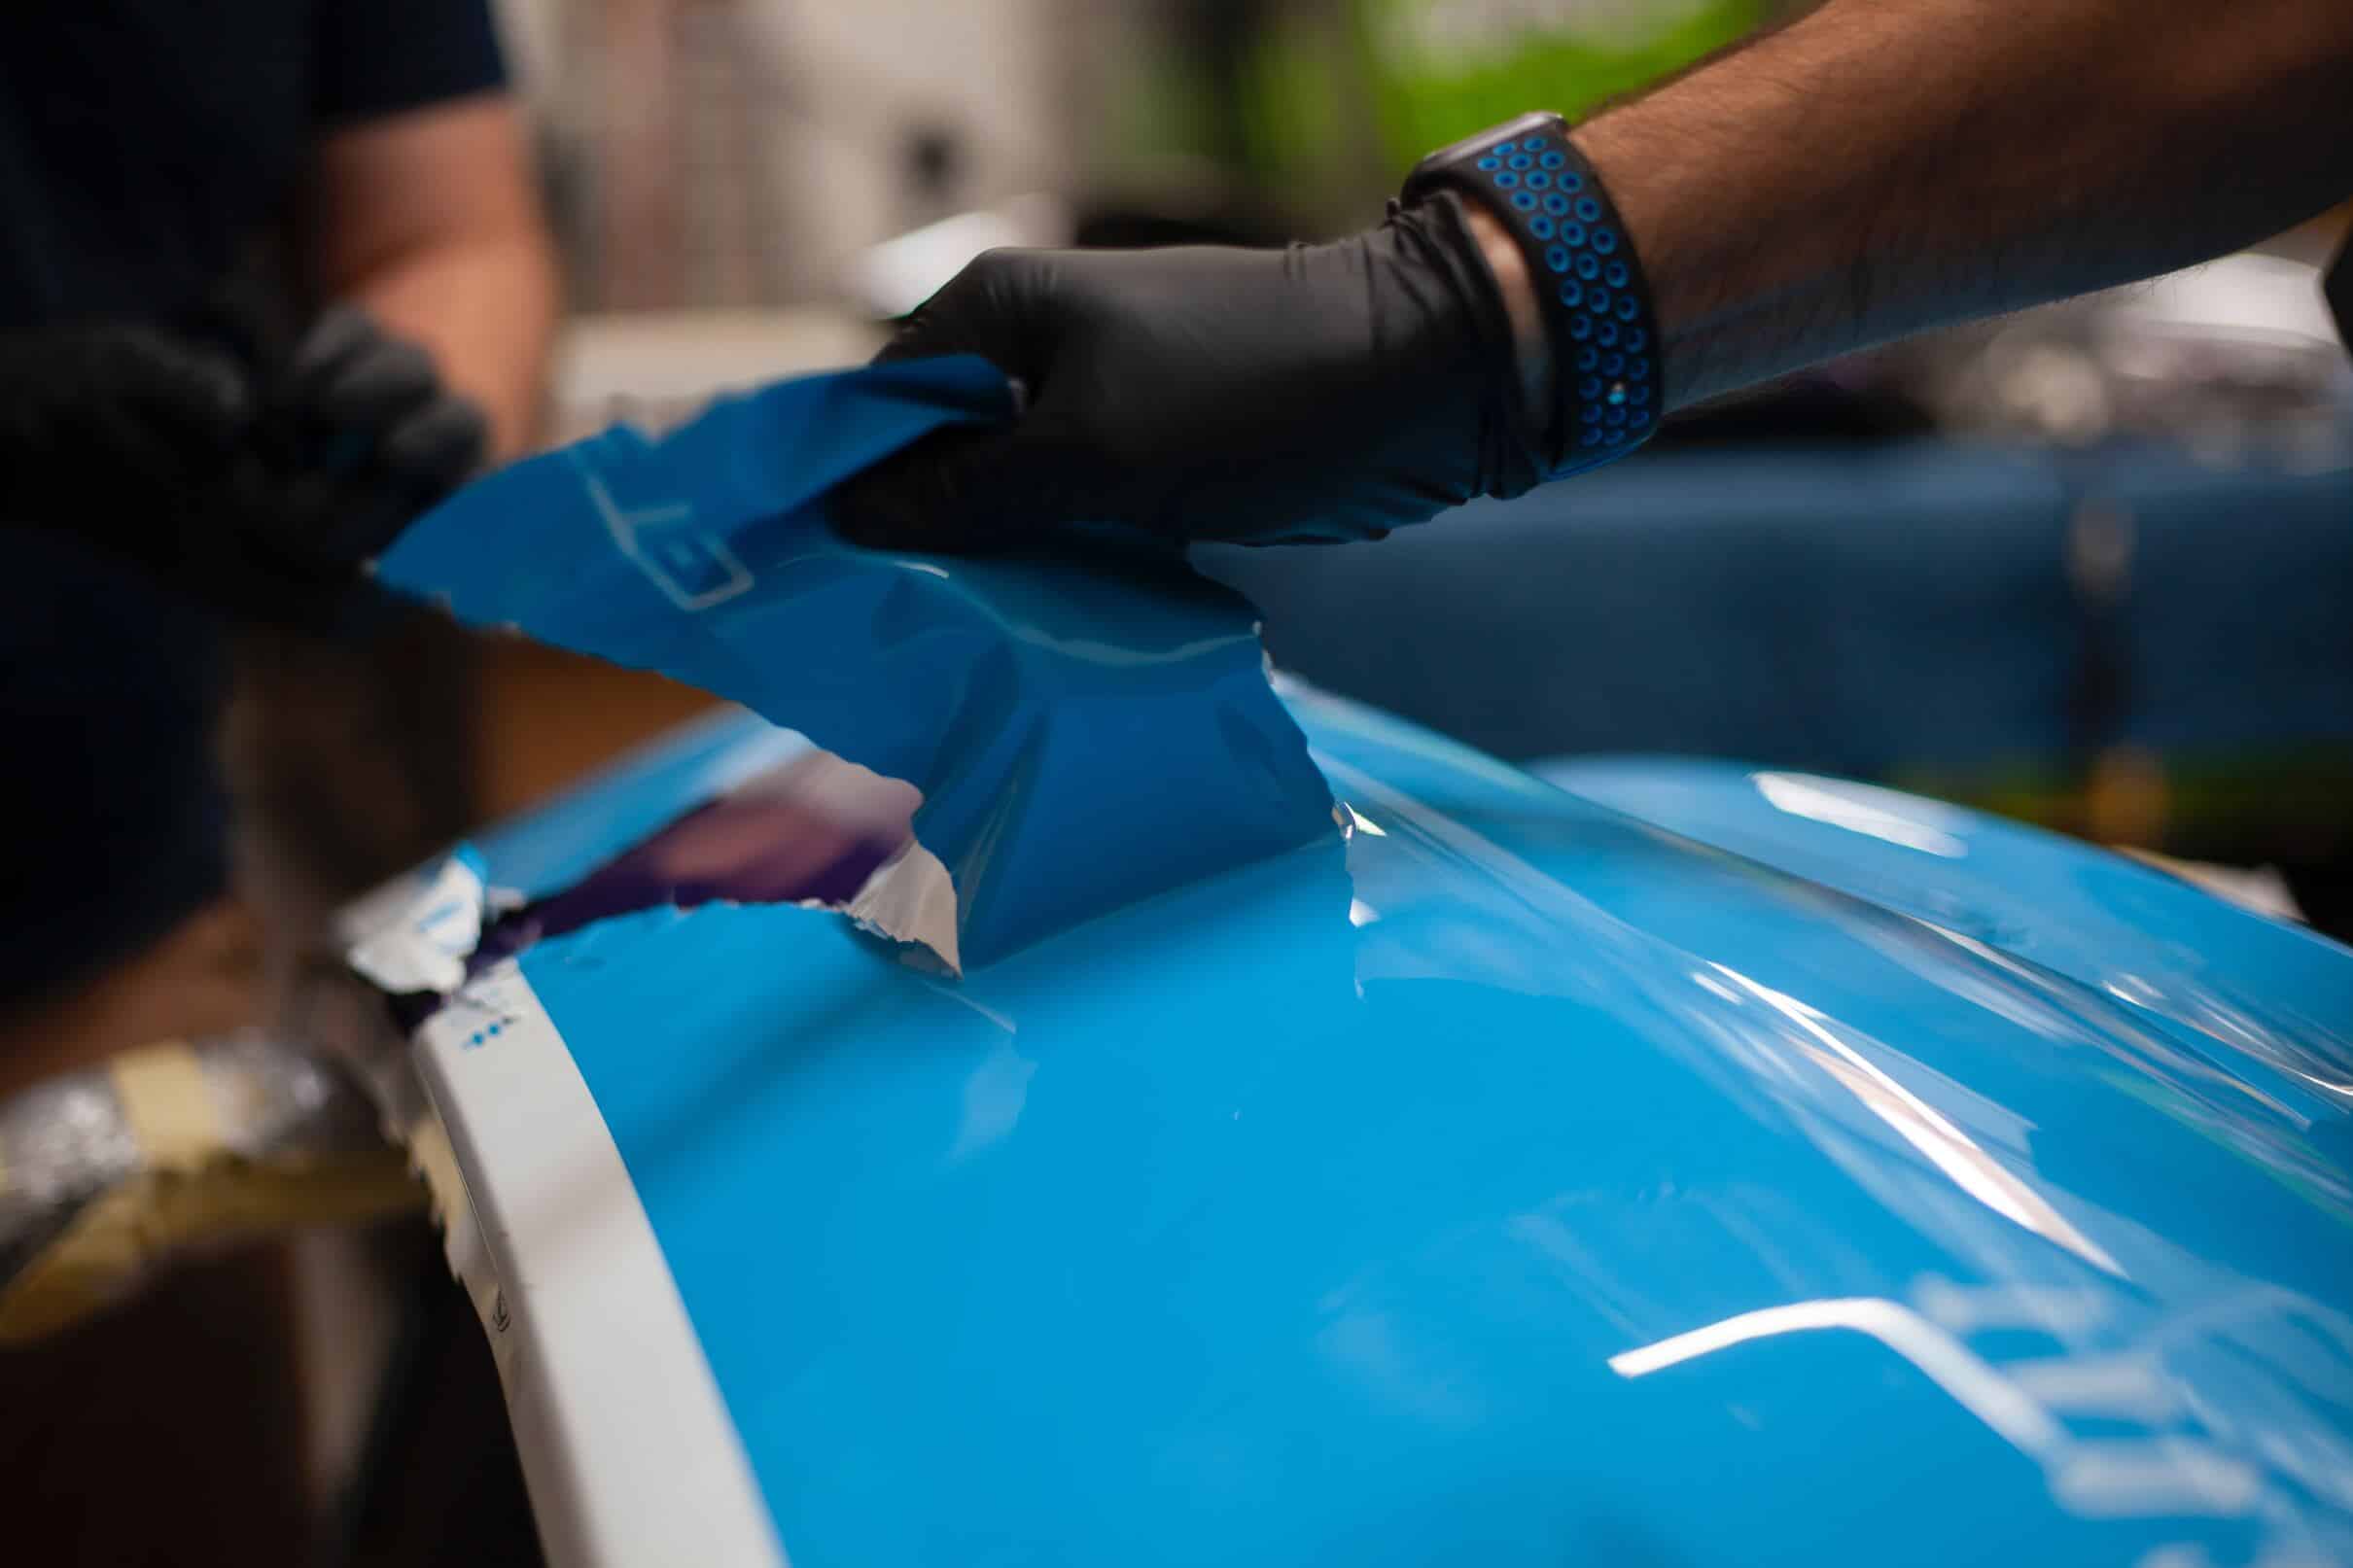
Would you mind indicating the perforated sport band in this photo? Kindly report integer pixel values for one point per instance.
(1608, 392)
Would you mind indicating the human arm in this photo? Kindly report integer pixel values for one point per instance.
(1875, 168)
(291, 473)
(429, 221)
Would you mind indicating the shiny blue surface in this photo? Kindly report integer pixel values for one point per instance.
(2270, 1003)
(1511, 1181)
(1069, 721)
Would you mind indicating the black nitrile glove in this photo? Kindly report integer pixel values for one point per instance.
(365, 436)
(1319, 393)
(135, 441)
(260, 490)
(115, 394)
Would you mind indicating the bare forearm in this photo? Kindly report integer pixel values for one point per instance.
(1885, 165)
(485, 310)
(430, 221)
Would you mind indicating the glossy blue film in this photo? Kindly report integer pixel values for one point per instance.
(1085, 732)
(1512, 1181)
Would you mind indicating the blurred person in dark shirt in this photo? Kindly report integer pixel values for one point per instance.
(272, 280)
(282, 255)
(364, 153)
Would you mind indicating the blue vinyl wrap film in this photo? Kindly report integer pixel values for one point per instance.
(1086, 730)
(1345, 1147)
(1510, 1180)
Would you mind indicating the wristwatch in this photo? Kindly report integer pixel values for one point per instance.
(1597, 313)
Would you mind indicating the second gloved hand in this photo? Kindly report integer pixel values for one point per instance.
(1314, 393)
(262, 487)
(365, 435)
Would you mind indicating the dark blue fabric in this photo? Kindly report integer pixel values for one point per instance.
(1856, 613)
(113, 818)
(147, 145)
(146, 148)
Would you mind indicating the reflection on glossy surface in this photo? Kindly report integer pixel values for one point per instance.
(1987, 1395)
(1919, 1124)
(1879, 813)
(2275, 1006)
(1504, 1179)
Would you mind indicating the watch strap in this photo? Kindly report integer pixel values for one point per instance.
(1608, 396)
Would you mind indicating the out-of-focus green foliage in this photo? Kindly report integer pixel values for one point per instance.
(1329, 103)
(1443, 68)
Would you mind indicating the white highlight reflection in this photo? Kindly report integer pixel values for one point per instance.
(1918, 1123)
(1947, 1362)
(2159, 1474)
(1854, 808)
(995, 1093)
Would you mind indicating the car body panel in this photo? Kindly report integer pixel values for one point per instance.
(1503, 1178)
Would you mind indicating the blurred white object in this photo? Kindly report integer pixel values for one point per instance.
(2261, 889)
(2233, 358)
(655, 368)
(728, 152)
(2260, 297)
(890, 279)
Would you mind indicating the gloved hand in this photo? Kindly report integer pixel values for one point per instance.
(1319, 392)
(365, 435)
(131, 440)
(108, 396)
(261, 491)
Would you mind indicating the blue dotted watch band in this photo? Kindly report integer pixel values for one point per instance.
(1597, 308)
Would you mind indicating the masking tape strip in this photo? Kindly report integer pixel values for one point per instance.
(168, 1104)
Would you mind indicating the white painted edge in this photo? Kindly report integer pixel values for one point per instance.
(626, 1444)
